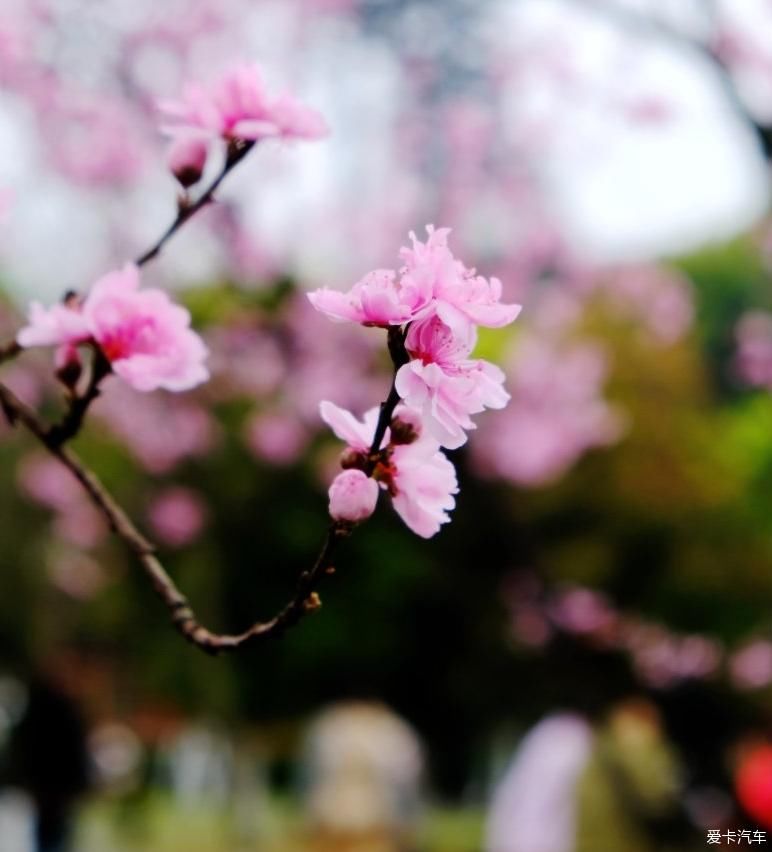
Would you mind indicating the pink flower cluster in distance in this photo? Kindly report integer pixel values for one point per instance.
(438, 303)
(144, 336)
(237, 107)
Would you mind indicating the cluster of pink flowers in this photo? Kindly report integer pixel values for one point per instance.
(144, 336)
(438, 303)
(237, 107)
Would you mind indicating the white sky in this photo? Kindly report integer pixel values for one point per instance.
(619, 190)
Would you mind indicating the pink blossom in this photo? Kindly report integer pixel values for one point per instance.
(146, 337)
(59, 325)
(431, 281)
(378, 299)
(443, 384)
(177, 516)
(353, 496)
(238, 106)
(358, 434)
(422, 483)
(459, 295)
(419, 478)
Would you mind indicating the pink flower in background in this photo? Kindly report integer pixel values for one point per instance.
(238, 106)
(177, 516)
(750, 667)
(754, 348)
(443, 384)
(159, 430)
(276, 437)
(97, 139)
(146, 337)
(76, 520)
(419, 478)
(557, 413)
(353, 496)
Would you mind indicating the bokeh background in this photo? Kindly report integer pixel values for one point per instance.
(582, 660)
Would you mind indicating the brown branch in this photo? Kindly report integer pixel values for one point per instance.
(399, 357)
(69, 426)
(54, 439)
(9, 351)
(237, 150)
(304, 600)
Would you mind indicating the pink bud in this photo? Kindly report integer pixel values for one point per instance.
(187, 158)
(353, 496)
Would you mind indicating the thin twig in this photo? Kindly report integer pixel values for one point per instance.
(304, 600)
(237, 150)
(9, 351)
(399, 356)
(69, 426)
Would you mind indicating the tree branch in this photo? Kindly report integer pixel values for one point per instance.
(69, 426)
(304, 600)
(237, 150)
(399, 357)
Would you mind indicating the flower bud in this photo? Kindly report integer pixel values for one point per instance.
(353, 496)
(351, 458)
(186, 159)
(405, 426)
(67, 365)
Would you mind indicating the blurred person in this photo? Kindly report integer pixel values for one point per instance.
(363, 767)
(49, 760)
(575, 787)
(534, 804)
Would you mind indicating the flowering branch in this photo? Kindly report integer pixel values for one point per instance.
(431, 309)
(304, 600)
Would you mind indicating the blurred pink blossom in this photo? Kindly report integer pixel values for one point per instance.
(753, 359)
(750, 667)
(278, 438)
(177, 516)
(159, 430)
(557, 413)
(238, 106)
(580, 610)
(76, 520)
